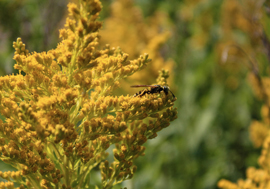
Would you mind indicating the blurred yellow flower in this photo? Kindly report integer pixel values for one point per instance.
(126, 28)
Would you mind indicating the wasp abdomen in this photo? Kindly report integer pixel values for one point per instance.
(153, 89)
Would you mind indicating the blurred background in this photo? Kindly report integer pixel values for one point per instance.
(211, 48)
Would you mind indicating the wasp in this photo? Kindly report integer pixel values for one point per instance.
(153, 89)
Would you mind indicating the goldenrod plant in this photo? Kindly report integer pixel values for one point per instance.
(259, 134)
(60, 117)
(257, 60)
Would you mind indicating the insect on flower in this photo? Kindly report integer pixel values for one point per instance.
(153, 89)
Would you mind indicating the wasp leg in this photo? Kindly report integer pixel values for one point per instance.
(172, 94)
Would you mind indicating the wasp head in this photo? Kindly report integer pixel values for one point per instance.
(166, 89)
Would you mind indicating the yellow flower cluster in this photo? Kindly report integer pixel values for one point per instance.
(260, 136)
(60, 117)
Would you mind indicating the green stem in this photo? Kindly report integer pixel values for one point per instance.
(66, 173)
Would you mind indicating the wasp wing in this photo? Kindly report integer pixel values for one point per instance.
(152, 86)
